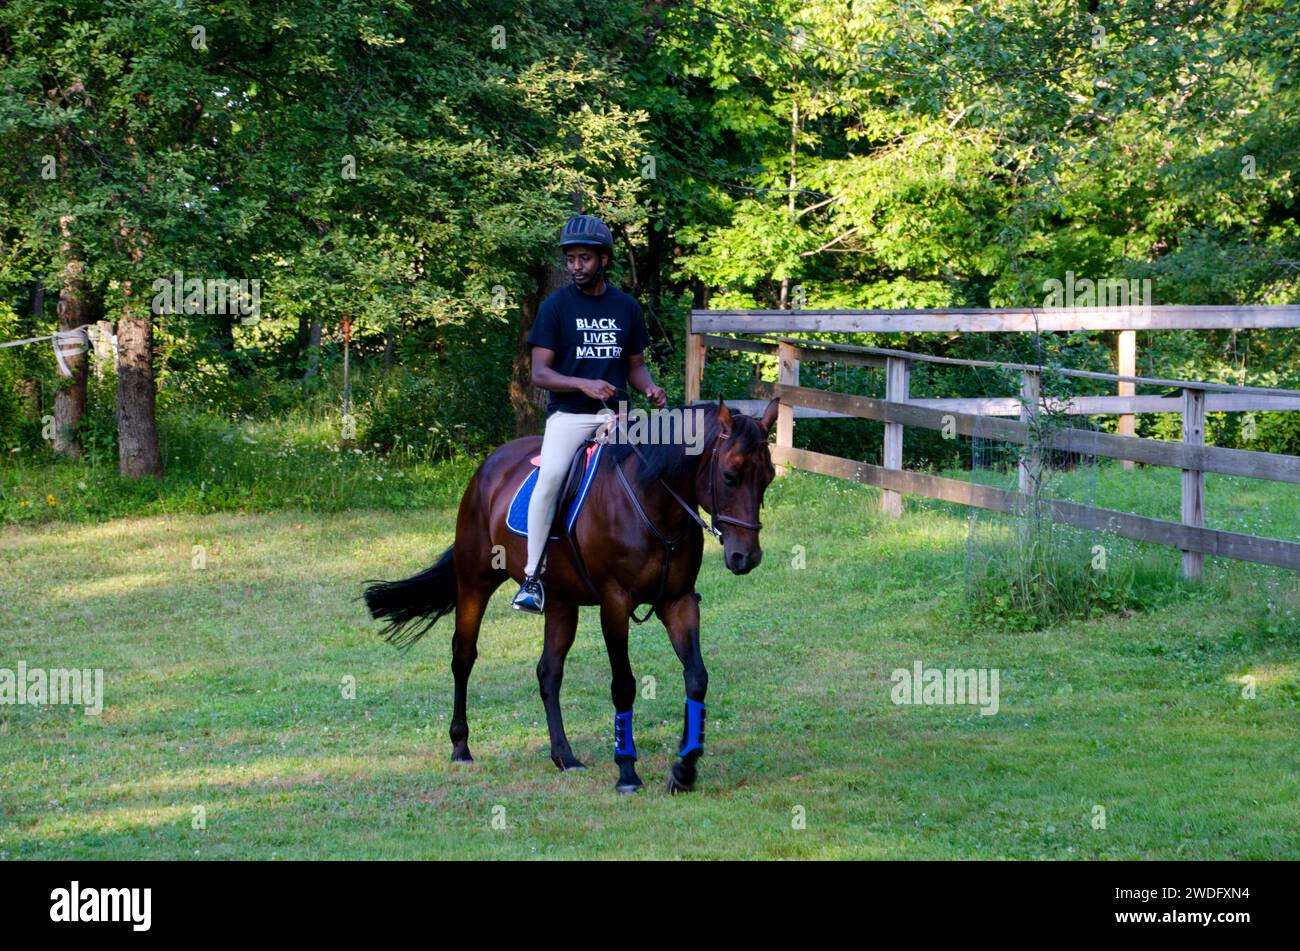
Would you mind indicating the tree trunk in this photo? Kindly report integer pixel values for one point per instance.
(548, 278)
(790, 203)
(699, 295)
(223, 340)
(656, 235)
(313, 350)
(390, 338)
(29, 398)
(137, 426)
(525, 398)
(74, 310)
(38, 307)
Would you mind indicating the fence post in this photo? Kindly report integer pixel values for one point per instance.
(1031, 464)
(1127, 367)
(694, 362)
(788, 373)
(1193, 479)
(898, 372)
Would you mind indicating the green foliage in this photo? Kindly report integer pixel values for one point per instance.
(1046, 575)
(216, 464)
(408, 172)
(98, 429)
(437, 416)
(14, 430)
(374, 162)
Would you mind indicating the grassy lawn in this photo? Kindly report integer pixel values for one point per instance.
(223, 693)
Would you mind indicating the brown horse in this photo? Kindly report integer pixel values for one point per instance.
(639, 541)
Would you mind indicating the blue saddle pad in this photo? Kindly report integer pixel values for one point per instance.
(517, 518)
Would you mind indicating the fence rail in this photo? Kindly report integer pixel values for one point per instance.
(1266, 551)
(980, 418)
(998, 319)
(1239, 462)
(1115, 314)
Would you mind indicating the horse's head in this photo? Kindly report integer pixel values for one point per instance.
(731, 482)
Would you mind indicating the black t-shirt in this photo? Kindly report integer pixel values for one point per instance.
(592, 337)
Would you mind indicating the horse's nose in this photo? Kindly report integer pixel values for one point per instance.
(739, 562)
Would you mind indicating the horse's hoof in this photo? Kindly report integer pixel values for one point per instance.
(565, 766)
(461, 756)
(628, 788)
(676, 786)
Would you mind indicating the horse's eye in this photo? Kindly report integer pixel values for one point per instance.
(729, 478)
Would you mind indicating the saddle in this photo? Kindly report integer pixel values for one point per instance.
(573, 492)
(576, 484)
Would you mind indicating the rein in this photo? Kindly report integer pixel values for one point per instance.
(670, 545)
(714, 516)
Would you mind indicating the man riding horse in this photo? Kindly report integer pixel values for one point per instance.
(639, 540)
(588, 344)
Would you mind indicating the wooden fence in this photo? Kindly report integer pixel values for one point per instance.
(980, 417)
(1128, 320)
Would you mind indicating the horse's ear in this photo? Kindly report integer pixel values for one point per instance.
(724, 415)
(769, 416)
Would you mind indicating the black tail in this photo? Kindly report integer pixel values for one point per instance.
(404, 604)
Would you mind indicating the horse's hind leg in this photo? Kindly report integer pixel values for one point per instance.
(471, 601)
(561, 626)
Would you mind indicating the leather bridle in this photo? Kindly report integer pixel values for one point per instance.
(670, 544)
(714, 515)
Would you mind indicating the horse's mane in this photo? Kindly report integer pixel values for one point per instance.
(670, 461)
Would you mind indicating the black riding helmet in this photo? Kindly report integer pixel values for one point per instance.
(587, 230)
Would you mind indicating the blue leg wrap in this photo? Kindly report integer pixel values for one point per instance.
(694, 740)
(623, 744)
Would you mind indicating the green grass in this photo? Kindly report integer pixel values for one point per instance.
(223, 692)
(217, 464)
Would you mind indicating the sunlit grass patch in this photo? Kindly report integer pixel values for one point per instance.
(223, 690)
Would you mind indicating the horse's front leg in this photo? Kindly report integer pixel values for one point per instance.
(681, 617)
(622, 690)
(561, 626)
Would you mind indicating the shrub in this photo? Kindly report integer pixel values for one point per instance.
(436, 417)
(1042, 573)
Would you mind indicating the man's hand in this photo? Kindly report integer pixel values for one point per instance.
(656, 394)
(598, 389)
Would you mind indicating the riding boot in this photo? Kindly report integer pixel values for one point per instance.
(531, 596)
